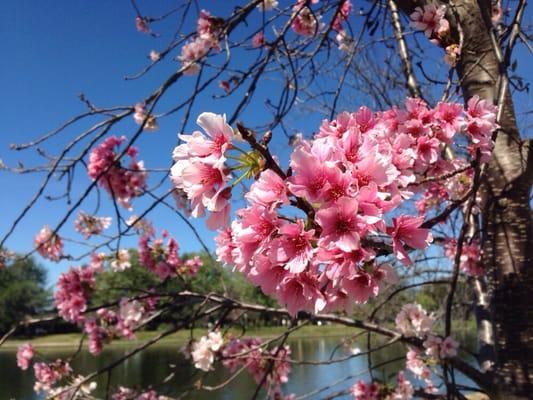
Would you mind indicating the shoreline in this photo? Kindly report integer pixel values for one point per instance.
(71, 340)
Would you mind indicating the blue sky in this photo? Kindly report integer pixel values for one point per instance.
(55, 50)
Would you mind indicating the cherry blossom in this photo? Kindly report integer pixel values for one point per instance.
(363, 391)
(430, 19)
(142, 24)
(258, 40)
(75, 390)
(124, 393)
(47, 375)
(49, 244)
(341, 225)
(25, 354)
(251, 353)
(203, 350)
(342, 15)
(404, 389)
(470, 259)
(346, 183)
(161, 259)
(448, 348)
(413, 320)
(154, 56)
(304, 22)
(206, 38)
(293, 247)
(140, 225)
(89, 225)
(268, 190)
(481, 122)
(200, 172)
(406, 230)
(267, 5)
(73, 291)
(140, 116)
(121, 260)
(120, 182)
(192, 52)
(453, 52)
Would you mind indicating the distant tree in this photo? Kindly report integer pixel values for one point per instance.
(23, 292)
(210, 278)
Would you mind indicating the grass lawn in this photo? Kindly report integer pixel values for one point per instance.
(178, 338)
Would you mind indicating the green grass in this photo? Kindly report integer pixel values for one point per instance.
(178, 338)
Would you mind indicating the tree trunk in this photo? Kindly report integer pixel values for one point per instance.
(506, 213)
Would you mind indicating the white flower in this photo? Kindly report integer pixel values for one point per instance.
(216, 340)
(131, 312)
(202, 355)
(203, 351)
(155, 56)
(122, 261)
(267, 5)
(355, 351)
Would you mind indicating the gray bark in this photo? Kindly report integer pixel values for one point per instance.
(506, 220)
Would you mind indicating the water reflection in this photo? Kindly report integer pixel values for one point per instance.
(151, 367)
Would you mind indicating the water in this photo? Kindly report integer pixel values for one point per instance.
(152, 366)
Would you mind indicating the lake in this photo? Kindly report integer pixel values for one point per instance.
(152, 366)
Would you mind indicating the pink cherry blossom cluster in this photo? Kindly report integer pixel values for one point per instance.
(454, 188)
(438, 348)
(25, 354)
(107, 324)
(141, 115)
(304, 22)
(342, 15)
(470, 260)
(140, 225)
(89, 225)
(163, 259)
(480, 125)
(413, 320)
(258, 40)
(431, 19)
(124, 393)
(48, 244)
(365, 391)
(251, 353)
(404, 389)
(122, 183)
(435, 349)
(74, 390)
(347, 181)
(74, 288)
(141, 23)
(207, 31)
(420, 369)
(204, 350)
(199, 170)
(48, 374)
